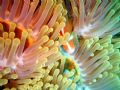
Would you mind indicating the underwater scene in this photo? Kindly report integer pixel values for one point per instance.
(59, 44)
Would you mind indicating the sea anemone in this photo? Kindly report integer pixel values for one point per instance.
(99, 60)
(30, 33)
(97, 43)
(52, 77)
(59, 44)
(96, 17)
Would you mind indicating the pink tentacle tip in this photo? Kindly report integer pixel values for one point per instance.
(1, 68)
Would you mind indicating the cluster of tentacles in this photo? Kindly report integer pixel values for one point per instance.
(97, 51)
(30, 33)
(59, 44)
